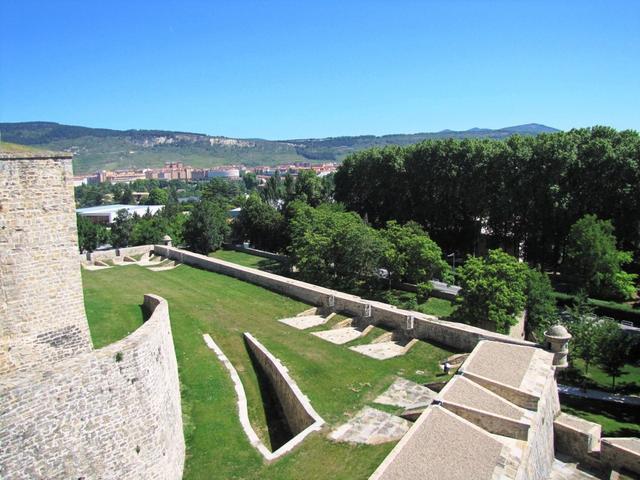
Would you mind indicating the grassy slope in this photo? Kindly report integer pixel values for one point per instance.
(337, 380)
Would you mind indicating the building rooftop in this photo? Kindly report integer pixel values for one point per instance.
(114, 208)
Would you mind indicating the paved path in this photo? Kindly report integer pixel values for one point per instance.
(599, 395)
(371, 426)
(304, 322)
(405, 393)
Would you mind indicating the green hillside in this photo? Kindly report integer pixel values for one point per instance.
(104, 149)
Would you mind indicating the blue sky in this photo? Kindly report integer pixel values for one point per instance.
(282, 70)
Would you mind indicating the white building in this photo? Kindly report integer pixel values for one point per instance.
(107, 213)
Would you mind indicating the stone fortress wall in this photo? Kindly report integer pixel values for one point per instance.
(67, 410)
(412, 324)
(39, 275)
(529, 438)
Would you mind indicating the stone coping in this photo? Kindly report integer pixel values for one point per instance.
(443, 445)
(243, 412)
(516, 367)
(466, 393)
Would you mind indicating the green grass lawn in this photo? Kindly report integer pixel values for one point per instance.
(337, 381)
(627, 383)
(247, 260)
(616, 421)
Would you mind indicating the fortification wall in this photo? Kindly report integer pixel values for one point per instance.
(257, 252)
(297, 409)
(42, 317)
(413, 324)
(108, 413)
(540, 453)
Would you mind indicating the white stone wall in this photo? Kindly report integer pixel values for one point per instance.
(42, 317)
(112, 413)
(426, 327)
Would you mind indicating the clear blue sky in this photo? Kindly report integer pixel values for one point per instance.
(281, 70)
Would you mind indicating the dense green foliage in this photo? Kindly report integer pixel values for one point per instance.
(494, 290)
(206, 227)
(411, 256)
(260, 224)
(90, 235)
(593, 262)
(334, 248)
(523, 190)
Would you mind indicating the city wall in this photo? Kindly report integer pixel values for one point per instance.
(413, 324)
(108, 413)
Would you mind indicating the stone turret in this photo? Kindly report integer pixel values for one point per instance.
(166, 241)
(557, 342)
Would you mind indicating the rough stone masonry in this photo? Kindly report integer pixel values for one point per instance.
(67, 410)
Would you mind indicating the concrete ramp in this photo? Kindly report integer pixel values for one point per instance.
(342, 335)
(385, 346)
(305, 321)
(405, 393)
(372, 427)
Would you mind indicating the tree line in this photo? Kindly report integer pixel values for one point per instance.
(523, 191)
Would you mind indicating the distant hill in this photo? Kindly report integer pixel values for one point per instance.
(101, 148)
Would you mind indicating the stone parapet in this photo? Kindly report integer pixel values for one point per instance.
(425, 327)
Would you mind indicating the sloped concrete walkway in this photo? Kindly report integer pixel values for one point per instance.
(372, 427)
(304, 322)
(343, 335)
(384, 350)
(567, 470)
(405, 393)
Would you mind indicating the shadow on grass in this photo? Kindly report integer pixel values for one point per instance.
(575, 377)
(614, 411)
(277, 425)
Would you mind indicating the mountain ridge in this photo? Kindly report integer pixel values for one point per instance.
(103, 148)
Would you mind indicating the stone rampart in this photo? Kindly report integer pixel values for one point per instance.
(412, 324)
(42, 317)
(108, 413)
(539, 456)
(299, 413)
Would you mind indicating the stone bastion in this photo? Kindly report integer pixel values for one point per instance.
(69, 410)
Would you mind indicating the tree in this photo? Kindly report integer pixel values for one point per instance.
(90, 235)
(334, 248)
(206, 227)
(541, 304)
(613, 349)
(261, 224)
(121, 229)
(585, 328)
(594, 263)
(411, 256)
(250, 181)
(157, 196)
(221, 191)
(493, 290)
